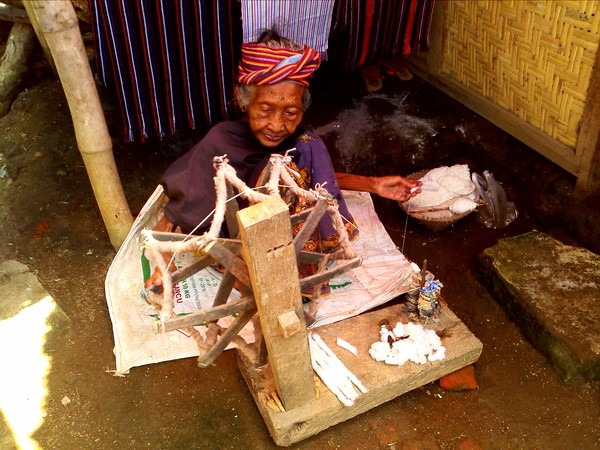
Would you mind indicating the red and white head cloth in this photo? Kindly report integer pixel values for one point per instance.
(261, 64)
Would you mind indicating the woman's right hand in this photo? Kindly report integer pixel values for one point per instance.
(154, 280)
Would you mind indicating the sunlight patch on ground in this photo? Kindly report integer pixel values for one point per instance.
(24, 368)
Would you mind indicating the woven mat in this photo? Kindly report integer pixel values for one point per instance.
(533, 58)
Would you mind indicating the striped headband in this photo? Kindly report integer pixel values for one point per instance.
(262, 64)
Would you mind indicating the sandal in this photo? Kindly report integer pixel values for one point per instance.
(372, 76)
(395, 67)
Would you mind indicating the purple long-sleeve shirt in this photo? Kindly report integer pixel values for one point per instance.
(189, 184)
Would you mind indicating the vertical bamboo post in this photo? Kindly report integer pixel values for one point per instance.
(588, 141)
(58, 24)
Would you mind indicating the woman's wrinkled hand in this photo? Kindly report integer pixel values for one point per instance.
(395, 187)
(154, 280)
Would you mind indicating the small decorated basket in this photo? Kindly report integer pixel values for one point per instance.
(436, 218)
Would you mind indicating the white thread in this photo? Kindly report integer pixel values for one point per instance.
(224, 172)
(405, 229)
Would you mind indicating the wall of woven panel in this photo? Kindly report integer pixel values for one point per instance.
(534, 58)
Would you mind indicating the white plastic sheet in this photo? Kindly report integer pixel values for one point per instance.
(383, 275)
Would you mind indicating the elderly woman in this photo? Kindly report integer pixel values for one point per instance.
(273, 93)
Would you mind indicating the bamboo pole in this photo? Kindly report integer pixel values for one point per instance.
(58, 24)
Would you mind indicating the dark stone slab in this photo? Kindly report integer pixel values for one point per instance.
(552, 292)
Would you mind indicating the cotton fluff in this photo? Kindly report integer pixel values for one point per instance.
(441, 185)
(379, 351)
(415, 343)
(462, 205)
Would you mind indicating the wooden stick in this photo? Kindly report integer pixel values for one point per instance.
(40, 34)
(432, 209)
(195, 318)
(456, 202)
(341, 267)
(439, 296)
(230, 261)
(231, 332)
(300, 217)
(309, 225)
(230, 211)
(58, 24)
(224, 289)
(185, 272)
(307, 257)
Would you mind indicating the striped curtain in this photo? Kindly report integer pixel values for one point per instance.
(382, 28)
(172, 63)
(303, 22)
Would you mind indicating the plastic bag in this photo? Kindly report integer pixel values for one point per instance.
(497, 212)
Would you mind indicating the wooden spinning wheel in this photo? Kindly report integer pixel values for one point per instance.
(228, 253)
(264, 259)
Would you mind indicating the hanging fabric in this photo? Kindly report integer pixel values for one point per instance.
(172, 63)
(303, 22)
(382, 28)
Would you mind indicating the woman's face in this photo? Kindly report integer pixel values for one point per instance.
(275, 111)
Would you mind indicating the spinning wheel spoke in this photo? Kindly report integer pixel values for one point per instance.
(230, 261)
(225, 288)
(231, 332)
(231, 211)
(208, 315)
(309, 225)
(325, 275)
(196, 265)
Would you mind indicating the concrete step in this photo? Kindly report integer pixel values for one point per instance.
(552, 292)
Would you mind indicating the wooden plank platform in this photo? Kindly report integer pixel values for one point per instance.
(384, 382)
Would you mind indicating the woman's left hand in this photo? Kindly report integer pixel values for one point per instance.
(395, 187)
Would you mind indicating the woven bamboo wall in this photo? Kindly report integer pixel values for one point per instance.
(534, 58)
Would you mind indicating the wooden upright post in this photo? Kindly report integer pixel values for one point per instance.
(59, 25)
(268, 248)
(588, 143)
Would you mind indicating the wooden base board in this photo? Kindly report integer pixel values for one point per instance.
(384, 382)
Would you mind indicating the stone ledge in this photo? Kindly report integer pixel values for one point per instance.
(552, 292)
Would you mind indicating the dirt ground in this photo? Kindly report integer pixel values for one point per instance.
(50, 222)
